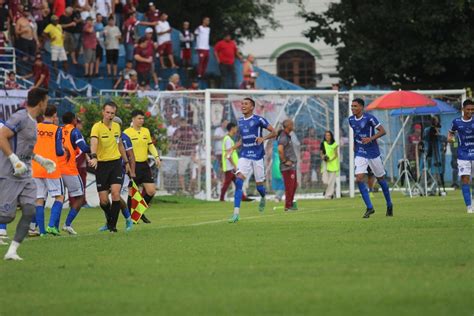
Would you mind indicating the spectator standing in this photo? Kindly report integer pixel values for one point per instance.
(4, 18)
(143, 60)
(104, 8)
(165, 46)
(71, 24)
(54, 32)
(129, 34)
(10, 82)
(225, 51)
(59, 7)
(247, 68)
(288, 162)
(185, 139)
(129, 8)
(203, 33)
(26, 36)
(84, 9)
(173, 125)
(99, 50)
(152, 15)
(40, 10)
(186, 38)
(40, 73)
(313, 145)
(89, 42)
(152, 47)
(112, 41)
(118, 13)
(219, 133)
(329, 149)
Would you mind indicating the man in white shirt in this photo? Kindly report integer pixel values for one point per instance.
(202, 45)
(165, 46)
(218, 136)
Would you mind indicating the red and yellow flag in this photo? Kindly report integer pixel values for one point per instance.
(139, 206)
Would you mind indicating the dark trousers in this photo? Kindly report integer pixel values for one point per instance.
(289, 177)
(228, 80)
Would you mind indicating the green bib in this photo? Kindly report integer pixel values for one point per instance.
(331, 150)
(234, 157)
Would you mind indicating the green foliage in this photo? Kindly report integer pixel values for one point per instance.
(90, 111)
(244, 18)
(423, 43)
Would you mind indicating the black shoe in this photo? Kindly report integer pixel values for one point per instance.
(247, 199)
(389, 210)
(145, 220)
(113, 230)
(368, 213)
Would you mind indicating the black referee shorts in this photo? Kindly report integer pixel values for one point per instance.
(108, 173)
(143, 173)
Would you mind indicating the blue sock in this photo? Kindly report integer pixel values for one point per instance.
(466, 193)
(365, 194)
(40, 218)
(386, 191)
(239, 183)
(71, 216)
(126, 213)
(55, 214)
(3, 226)
(261, 190)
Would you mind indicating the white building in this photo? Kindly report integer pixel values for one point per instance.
(287, 53)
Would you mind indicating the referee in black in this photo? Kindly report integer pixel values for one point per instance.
(107, 152)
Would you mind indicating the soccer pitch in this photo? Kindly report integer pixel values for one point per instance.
(324, 259)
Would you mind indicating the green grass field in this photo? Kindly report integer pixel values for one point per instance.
(324, 259)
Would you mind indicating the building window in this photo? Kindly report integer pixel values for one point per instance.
(298, 67)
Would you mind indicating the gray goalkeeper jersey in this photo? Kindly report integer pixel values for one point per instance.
(22, 143)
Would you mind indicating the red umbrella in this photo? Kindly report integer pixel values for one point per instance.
(400, 99)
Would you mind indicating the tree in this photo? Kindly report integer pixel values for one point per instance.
(245, 19)
(408, 43)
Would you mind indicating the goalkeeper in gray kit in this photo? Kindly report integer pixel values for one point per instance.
(17, 140)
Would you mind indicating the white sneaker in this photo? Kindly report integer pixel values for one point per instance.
(3, 233)
(3, 241)
(33, 232)
(12, 256)
(470, 210)
(69, 230)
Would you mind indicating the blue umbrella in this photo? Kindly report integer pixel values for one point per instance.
(441, 107)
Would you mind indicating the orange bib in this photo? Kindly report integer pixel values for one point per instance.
(67, 162)
(46, 147)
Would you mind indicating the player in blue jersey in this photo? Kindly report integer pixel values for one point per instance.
(464, 127)
(367, 130)
(251, 127)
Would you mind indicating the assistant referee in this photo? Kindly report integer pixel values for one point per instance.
(107, 151)
(142, 146)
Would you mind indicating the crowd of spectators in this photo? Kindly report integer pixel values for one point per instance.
(83, 32)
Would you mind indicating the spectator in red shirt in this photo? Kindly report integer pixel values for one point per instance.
(153, 47)
(89, 42)
(143, 60)
(10, 83)
(129, 8)
(129, 34)
(173, 83)
(225, 51)
(59, 7)
(313, 145)
(153, 14)
(40, 74)
(131, 84)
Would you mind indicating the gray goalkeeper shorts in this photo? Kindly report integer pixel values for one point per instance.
(14, 192)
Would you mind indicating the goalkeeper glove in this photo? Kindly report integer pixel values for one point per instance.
(19, 167)
(47, 164)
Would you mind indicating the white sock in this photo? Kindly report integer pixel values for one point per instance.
(236, 211)
(3, 232)
(32, 226)
(13, 247)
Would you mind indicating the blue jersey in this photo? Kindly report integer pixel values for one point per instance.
(251, 128)
(77, 140)
(365, 126)
(465, 131)
(127, 144)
